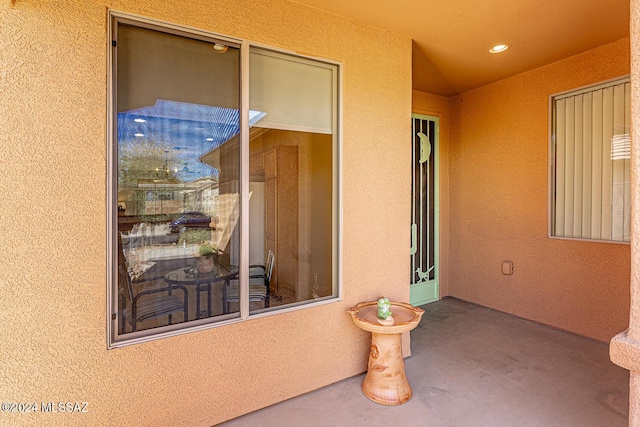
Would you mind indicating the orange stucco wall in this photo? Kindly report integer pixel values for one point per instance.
(53, 109)
(498, 203)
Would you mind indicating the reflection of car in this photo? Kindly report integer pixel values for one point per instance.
(190, 219)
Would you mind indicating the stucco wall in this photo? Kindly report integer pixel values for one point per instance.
(52, 278)
(498, 197)
(625, 347)
(438, 106)
(634, 322)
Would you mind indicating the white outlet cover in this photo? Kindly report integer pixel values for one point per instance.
(507, 267)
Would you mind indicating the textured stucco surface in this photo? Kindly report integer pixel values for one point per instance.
(625, 351)
(625, 347)
(438, 106)
(498, 202)
(53, 80)
(634, 323)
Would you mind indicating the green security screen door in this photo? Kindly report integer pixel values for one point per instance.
(424, 221)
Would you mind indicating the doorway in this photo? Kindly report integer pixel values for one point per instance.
(424, 209)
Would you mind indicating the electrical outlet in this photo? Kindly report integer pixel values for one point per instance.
(507, 268)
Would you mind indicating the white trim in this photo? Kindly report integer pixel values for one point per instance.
(590, 88)
(211, 35)
(244, 181)
(578, 239)
(111, 227)
(294, 128)
(185, 30)
(291, 56)
(206, 323)
(337, 247)
(551, 182)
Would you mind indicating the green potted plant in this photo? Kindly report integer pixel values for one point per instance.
(207, 254)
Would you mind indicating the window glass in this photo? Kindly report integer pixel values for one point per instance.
(179, 150)
(177, 223)
(591, 192)
(292, 176)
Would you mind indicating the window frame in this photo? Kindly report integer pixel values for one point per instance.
(114, 339)
(552, 156)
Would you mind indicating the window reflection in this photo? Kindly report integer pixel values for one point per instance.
(291, 212)
(177, 154)
(178, 237)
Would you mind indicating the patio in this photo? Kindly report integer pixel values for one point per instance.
(473, 366)
(470, 365)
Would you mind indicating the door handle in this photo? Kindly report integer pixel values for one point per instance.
(414, 239)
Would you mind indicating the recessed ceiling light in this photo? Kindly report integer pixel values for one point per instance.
(499, 48)
(138, 134)
(139, 120)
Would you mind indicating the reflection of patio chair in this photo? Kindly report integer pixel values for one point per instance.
(157, 302)
(259, 277)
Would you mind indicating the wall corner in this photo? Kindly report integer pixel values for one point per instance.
(625, 352)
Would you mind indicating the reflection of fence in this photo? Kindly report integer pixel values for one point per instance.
(159, 207)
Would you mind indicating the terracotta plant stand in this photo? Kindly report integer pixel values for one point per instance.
(386, 382)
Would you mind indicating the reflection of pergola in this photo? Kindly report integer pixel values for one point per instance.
(191, 129)
(195, 131)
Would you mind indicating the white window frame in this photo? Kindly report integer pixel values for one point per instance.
(552, 156)
(114, 340)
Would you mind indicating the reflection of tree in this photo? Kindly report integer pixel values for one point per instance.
(145, 159)
(147, 177)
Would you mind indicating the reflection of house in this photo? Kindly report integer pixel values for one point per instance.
(493, 206)
(201, 195)
(288, 173)
(156, 196)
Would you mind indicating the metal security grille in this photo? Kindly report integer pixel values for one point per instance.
(423, 206)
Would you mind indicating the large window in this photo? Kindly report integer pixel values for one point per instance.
(590, 155)
(224, 180)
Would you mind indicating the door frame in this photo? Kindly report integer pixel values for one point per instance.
(429, 291)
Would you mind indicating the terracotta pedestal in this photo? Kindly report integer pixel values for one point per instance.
(386, 382)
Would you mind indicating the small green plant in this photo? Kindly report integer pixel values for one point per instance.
(207, 249)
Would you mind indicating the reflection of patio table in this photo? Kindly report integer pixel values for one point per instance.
(202, 282)
(386, 382)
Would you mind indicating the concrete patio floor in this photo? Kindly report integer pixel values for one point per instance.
(472, 366)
